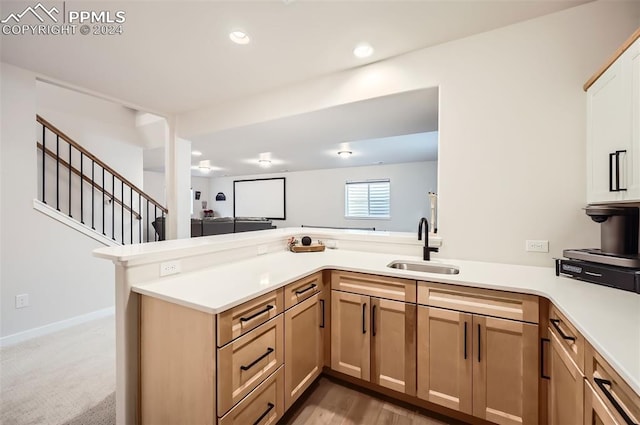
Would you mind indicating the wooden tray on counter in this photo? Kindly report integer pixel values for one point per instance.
(310, 248)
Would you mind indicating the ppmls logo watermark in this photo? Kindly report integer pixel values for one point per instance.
(58, 19)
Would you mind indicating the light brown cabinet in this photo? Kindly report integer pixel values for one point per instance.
(303, 346)
(566, 373)
(245, 362)
(608, 399)
(241, 319)
(595, 410)
(505, 371)
(263, 406)
(373, 339)
(476, 364)
(393, 337)
(444, 358)
(373, 325)
(565, 386)
(473, 351)
(350, 342)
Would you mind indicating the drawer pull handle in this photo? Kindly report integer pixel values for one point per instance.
(253, 316)
(322, 325)
(555, 323)
(373, 321)
(465, 340)
(364, 328)
(479, 343)
(266, 412)
(542, 367)
(253, 363)
(302, 291)
(601, 384)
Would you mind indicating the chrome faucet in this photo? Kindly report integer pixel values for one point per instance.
(427, 250)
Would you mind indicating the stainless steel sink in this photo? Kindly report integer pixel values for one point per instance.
(424, 267)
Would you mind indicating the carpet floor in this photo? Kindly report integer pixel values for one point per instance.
(67, 377)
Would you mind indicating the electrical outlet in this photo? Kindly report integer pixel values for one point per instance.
(331, 244)
(169, 267)
(263, 249)
(22, 300)
(537, 246)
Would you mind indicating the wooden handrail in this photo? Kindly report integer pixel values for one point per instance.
(89, 155)
(88, 180)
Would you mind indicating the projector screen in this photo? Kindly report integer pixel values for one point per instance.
(260, 198)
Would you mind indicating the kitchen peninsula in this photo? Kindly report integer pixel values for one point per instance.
(243, 293)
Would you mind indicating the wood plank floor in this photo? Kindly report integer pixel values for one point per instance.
(328, 402)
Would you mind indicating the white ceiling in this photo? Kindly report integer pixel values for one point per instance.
(176, 56)
(391, 129)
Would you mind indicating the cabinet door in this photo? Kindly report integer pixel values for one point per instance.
(303, 348)
(350, 341)
(609, 127)
(633, 158)
(505, 371)
(393, 333)
(595, 411)
(444, 358)
(566, 386)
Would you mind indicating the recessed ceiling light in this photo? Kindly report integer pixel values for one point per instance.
(344, 154)
(363, 50)
(239, 37)
(196, 153)
(264, 163)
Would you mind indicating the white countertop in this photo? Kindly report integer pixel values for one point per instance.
(608, 318)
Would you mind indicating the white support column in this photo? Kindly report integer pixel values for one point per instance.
(178, 184)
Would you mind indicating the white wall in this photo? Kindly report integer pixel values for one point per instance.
(105, 129)
(512, 126)
(154, 185)
(316, 197)
(203, 184)
(40, 256)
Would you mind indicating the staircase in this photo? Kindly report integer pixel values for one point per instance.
(83, 188)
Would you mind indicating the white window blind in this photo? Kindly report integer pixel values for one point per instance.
(368, 199)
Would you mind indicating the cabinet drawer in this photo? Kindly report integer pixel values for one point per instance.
(241, 319)
(265, 404)
(244, 363)
(488, 302)
(377, 286)
(302, 289)
(616, 395)
(566, 385)
(595, 410)
(568, 336)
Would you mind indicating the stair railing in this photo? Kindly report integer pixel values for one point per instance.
(110, 187)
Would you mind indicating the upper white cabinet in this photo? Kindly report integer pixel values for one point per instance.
(613, 128)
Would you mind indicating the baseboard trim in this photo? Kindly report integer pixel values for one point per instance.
(56, 326)
(64, 219)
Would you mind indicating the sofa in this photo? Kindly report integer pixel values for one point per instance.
(209, 226)
(224, 225)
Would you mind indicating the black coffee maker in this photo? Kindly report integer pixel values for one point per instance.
(618, 237)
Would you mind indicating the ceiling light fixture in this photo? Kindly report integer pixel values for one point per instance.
(239, 37)
(204, 166)
(264, 163)
(363, 50)
(344, 154)
(196, 153)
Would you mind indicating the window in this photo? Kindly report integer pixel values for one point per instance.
(367, 199)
